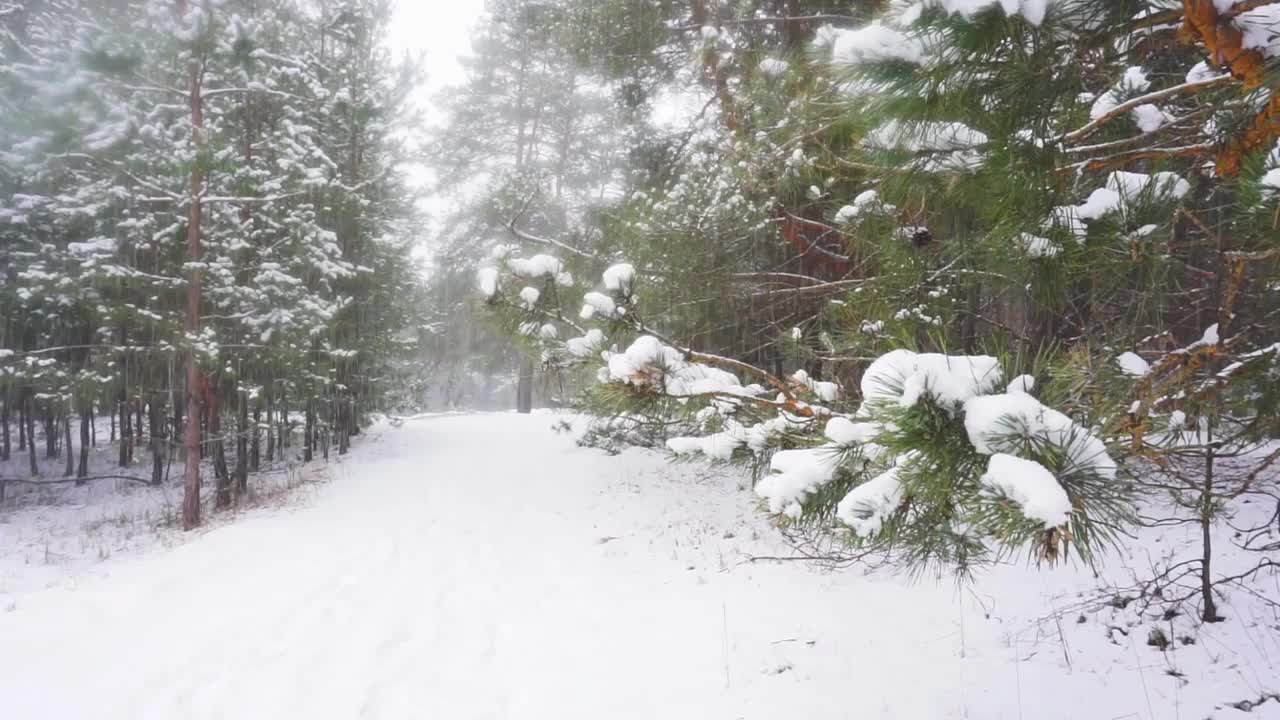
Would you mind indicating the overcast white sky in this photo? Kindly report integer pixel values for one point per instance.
(442, 29)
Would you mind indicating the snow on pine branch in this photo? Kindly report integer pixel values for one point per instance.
(540, 266)
(1037, 459)
(487, 281)
(893, 38)
(597, 303)
(1121, 192)
(902, 377)
(931, 428)
(650, 364)
(866, 508)
(620, 278)
(1031, 486)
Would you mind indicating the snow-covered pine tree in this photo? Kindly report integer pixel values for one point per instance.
(536, 131)
(229, 167)
(976, 195)
(1081, 209)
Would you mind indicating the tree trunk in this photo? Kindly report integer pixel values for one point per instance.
(126, 433)
(345, 411)
(159, 441)
(969, 326)
(242, 446)
(308, 437)
(218, 447)
(324, 433)
(1209, 609)
(30, 415)
(51, 433)
(86, 433)
(282, 437)
(122, 418)
(195, 379)
(4, 426)
(524, 386)
(66, 434)
(137, 426)
(22, 421)
(271, 424)
(175, 421)
(255, 447)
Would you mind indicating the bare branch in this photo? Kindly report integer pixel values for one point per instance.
(528, 237)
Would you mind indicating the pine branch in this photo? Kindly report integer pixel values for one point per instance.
(778, 276)
(1147, 99)
(250, 199)
(1122, 159)
(168, 194)
(819, 17)
(792, 403)
(529, 237)
(820, 289)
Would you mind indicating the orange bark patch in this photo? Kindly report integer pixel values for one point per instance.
(1224, 42)
(1260, 136)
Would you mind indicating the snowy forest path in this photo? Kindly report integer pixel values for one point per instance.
(482, 566)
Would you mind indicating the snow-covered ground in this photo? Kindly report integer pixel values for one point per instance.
(483, 566)
(60, 532)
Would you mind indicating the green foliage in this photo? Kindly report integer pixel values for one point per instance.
(977, 199)
(306, 229)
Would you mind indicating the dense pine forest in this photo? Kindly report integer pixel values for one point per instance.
(206, 234)
(955, 280)
(948, 286)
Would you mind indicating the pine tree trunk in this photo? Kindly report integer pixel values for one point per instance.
(221, 474)
(271, 425)
(969, 326)
(159, 441)
(195, 379)
(126, 435)
(93, 424)
(86, 434)
(793, 31)
(4, 426)
(255, 447)
(242, 446)
(283, 434)
(353, 420)
(308, 437)
(324, 433)
(71, 458)
(51, 433)
(22, 422)
(175, 428)
(137, 426)
(349, 412)
(524, 386)
(30, 415)
(1209, 607)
